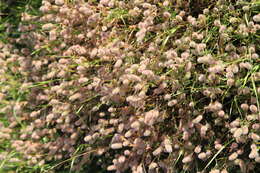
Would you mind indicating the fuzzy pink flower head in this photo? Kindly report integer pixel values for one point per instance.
(197, 149)
(215, 106)
(151, 117)
(187, 159)
(256, 18)
(111, 167)
(168, 145)
(48, 26)
(233, 156)
(157, 151)
(59, 2)
(207, 59)
(116, 146)
(153, 165)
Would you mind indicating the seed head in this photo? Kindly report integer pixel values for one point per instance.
(167, 145)
(253, 154)
(256, 126)
(244, 107)
(151, 117)
(253, 108)
(246, 8)
(121, 159)
(111, 168)
(255, 136)
(238, 132)
(135, 125)
(116, 146)
(256, 18)
(88, 138)
(233, 156)
(187, 159)
(118, 63)
(47, 26)
(157, 151)
(197, 149)
(215, 171)
(153, 165)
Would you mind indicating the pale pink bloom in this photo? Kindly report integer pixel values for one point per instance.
(151, 117)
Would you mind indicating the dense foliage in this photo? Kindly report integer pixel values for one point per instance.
(132, 86)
